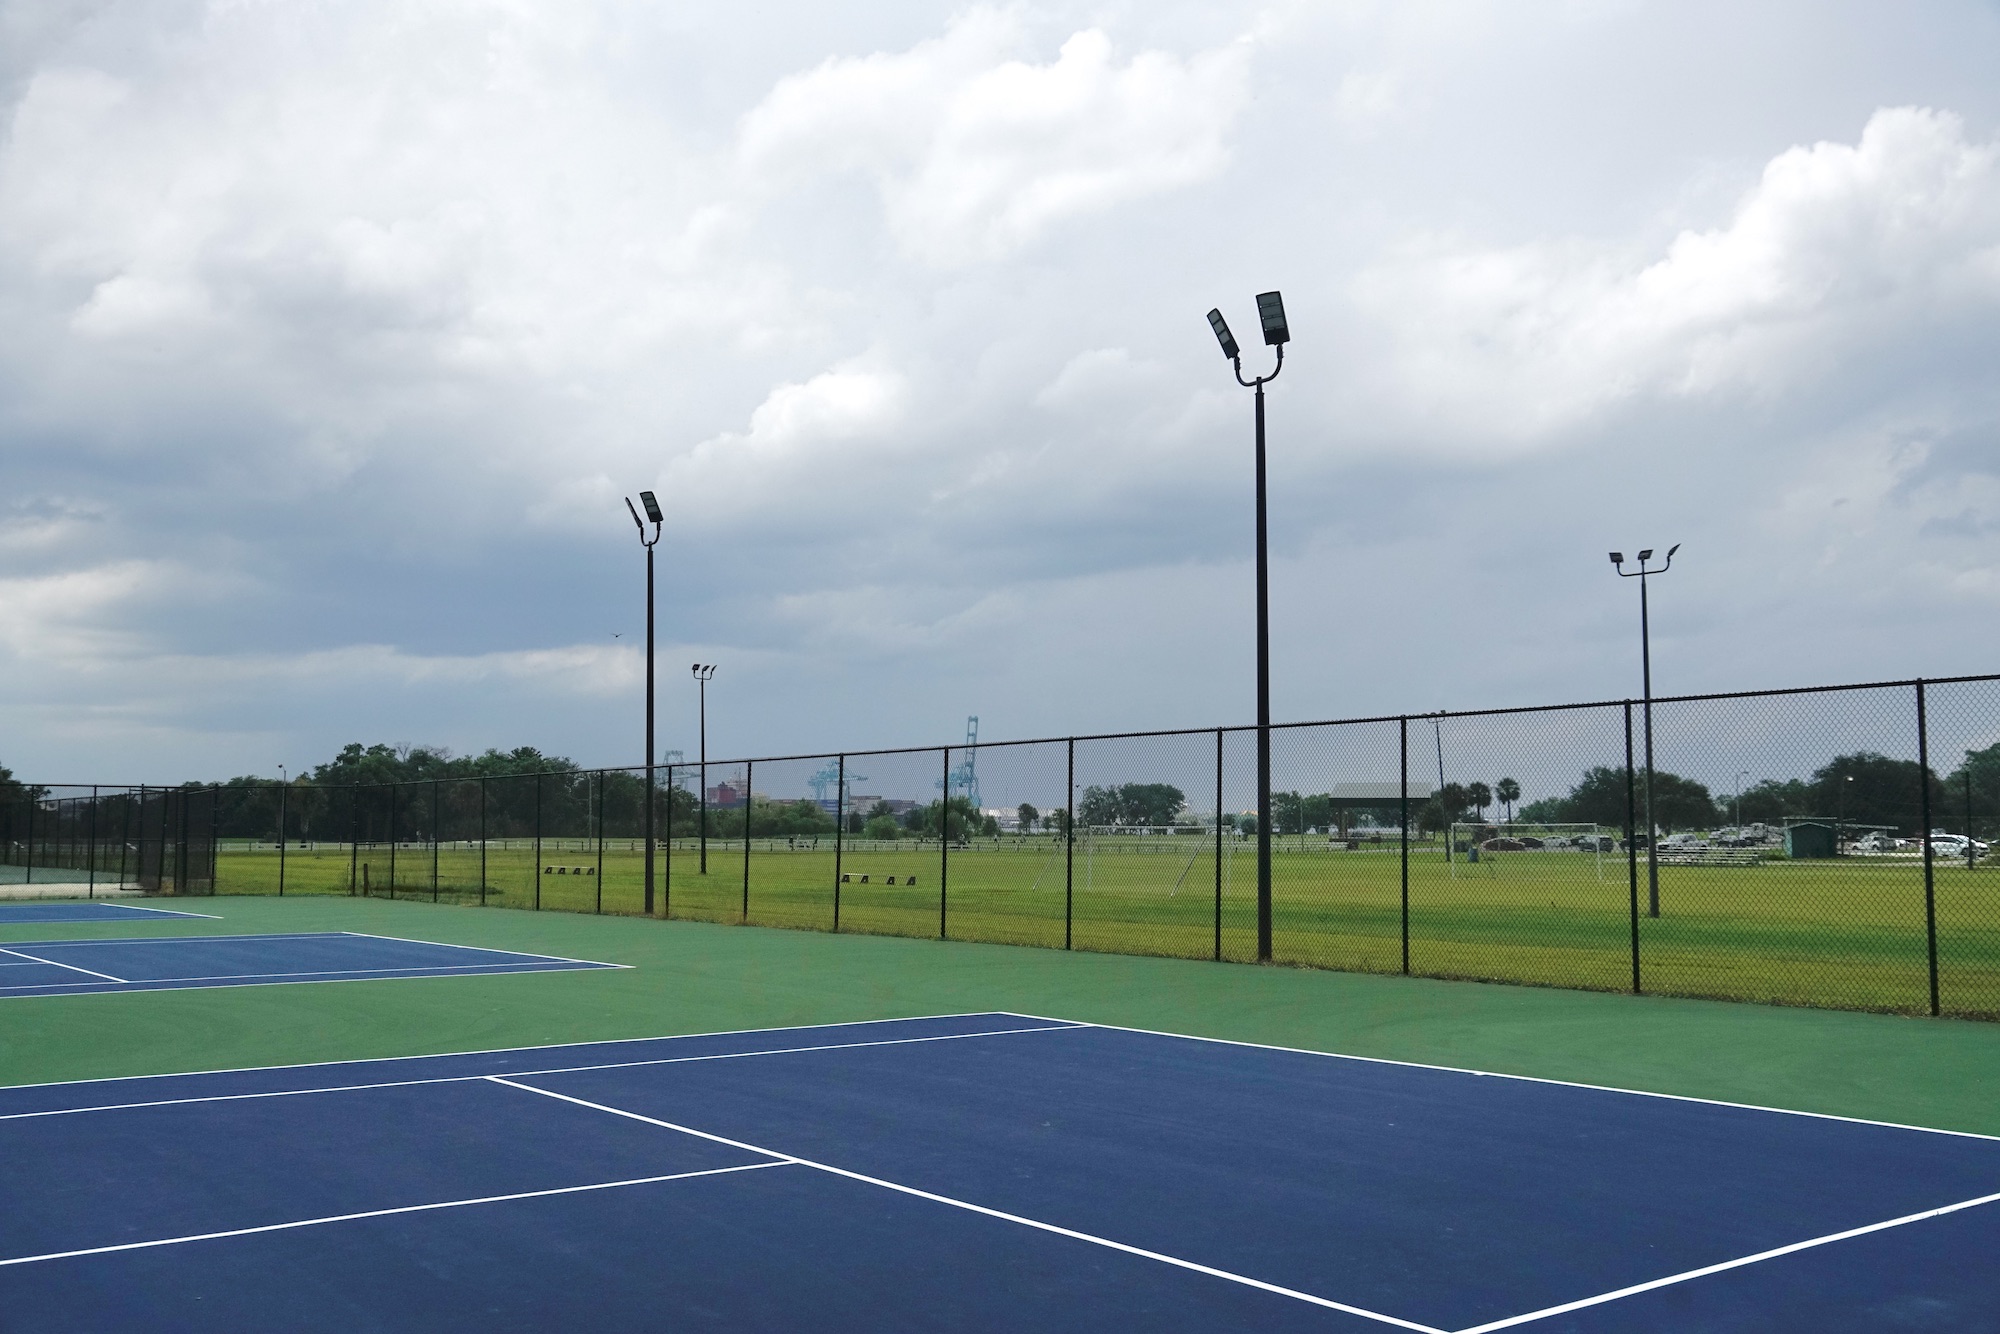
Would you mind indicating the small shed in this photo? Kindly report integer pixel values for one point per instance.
(1810, 839)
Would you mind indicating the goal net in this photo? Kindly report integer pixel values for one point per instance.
(1551, 849)
(1151, 859)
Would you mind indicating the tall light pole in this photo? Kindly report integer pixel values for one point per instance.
(653, 514)
(1271, 314)
(703, 673)
(1646, 667)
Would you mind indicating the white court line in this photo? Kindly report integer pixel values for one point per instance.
(487, 949)
(1003, 1216)
(1738, 1263)
(540, 1046)
(410, 970)
(524, 1074)
(53, 964)
(377, 1213)
(1501, 1074)
(181, 940)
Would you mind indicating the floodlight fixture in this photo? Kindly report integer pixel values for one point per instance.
(652, 513)
(1646, 671)
(1271, 310)
(1271, 316)
(1223, 336)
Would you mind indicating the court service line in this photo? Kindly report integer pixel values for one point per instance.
(53, 964)
(376, 1213)
(525, 1074)
(487, 949)
(1000, 1214)
(1725, 1265)
(509, 1051)
(1501, 1074)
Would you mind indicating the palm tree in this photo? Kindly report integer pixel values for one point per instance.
(1481, 796)
(1509, 792)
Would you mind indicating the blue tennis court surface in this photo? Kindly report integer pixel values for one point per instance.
(167, 963)
(86, 912)
(973, 1172)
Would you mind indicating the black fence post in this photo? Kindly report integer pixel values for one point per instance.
(1631, 846)
(1924, 804)
(28, 858)
(1069, 849)
(283, 795)
(749, 803)
(214, 838)
(839, 832)
(353, 840)
(91, 892)
(538, 843)
(436, 784)
(600, 836)
(124, 836)
(1218, 845)
(394, 790)
(667, 856)
(1403, 800)
(482, 841)
(944, 840)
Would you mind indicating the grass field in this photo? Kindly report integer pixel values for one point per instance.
(1848, 934)
(692, 977)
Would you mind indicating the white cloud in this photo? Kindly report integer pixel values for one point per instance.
(1837, 250)
(977, 153)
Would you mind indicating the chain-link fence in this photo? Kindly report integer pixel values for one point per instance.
(1817, 847)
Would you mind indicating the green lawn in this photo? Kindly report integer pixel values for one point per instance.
(1848, 934)
(694, 977)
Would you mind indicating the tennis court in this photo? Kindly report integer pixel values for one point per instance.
(977, 1172)
(170, 963)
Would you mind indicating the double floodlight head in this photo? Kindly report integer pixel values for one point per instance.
(704, 671)
(1277, 333)
(652, 512)
(1618, 559)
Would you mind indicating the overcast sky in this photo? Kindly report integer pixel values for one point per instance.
(331, 337)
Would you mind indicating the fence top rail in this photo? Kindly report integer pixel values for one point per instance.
(116, 790)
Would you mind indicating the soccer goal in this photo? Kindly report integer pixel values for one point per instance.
(1146, 858)
(1553, 849)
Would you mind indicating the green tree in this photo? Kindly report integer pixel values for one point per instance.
(1479, 796)
(882, 826)
(1027, 815)
(1867, 788)
(1131, 804)
(1509, 792)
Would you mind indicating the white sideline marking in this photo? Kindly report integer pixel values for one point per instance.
(525, 1074)
(1501, 1074)
(1738, 1263)
(486, 949)
(334, 974)
(540, 1046)
(53, 964)
(967, 1205)
(377, 1213)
